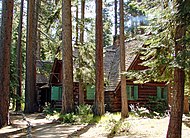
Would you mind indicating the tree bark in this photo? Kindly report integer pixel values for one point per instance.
(67, 59)
(115, 8)
(5, 44)
(81, 84)
(124, 101)
(175, 123)
(82, 21)
(38, 35)
(77, 22)
(19, 59)
(30, 88)
(99, 91)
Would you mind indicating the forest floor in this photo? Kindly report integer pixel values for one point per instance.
(46, 128)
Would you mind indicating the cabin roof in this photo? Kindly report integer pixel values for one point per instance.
(41, 76)
(112, 61)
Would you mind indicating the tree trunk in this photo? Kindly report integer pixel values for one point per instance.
(81, 84)
(30, 88)
(19, 59)
(175, 124)
(67, 59)
(82, 21)
(38, 40)
(124, 101)
(5, 44)
(115, 8)
(99, 92)
(77, 22)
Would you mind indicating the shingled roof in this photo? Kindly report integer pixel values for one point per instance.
(112, 62)
(41, 67)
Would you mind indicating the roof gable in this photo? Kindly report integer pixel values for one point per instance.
(112, 62)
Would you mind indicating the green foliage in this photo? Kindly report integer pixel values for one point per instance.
(13, 51)
(114, 124)
(140, 111)
(67, 118)
(154, 108)
(84, 114)
(158, 106)
(158, 51)
(86, 63)
(84, 109)
(107, 25)
(47, 110)
(132, 11)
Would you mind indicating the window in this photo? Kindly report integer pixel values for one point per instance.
(161, 93)
(90, 92)
(132, 92)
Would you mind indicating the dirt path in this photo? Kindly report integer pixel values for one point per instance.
(45, 128)
(140, 128)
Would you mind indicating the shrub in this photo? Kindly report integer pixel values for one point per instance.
(67, 118)
(84, 109)
(156, 105)
(84, 114)
(47, 110)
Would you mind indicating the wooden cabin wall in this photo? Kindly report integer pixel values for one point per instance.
(113, 99)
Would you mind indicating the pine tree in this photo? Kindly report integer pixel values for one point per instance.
(19, 59)
(5, 44)
(124, 101)
(99, 87)
(67, 58)
(30, 88)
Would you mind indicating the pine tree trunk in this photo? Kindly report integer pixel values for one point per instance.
(81, 85)
(77, 22)
(175, 123)
(82, 21)
(38, 40)
(124, 101)
(19, 59)
(67, 59)
(5, 44)
(30, 88)
(115, 8)
(99, 92)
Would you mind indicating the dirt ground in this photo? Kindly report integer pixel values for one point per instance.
(46, 128)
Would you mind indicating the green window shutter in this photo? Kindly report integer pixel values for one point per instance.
(135, 92)
(166, 93)
(128, 88)
(159, 93)
(90, 92)
(54, 93)
(60, 93)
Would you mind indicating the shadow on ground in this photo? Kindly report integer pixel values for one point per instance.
(81, 131)
(186, 121)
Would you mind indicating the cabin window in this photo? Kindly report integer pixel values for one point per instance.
(56, 93)
(132, 92)
(161, 93)
(90, 92)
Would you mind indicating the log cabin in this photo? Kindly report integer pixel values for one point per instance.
(137, 93)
